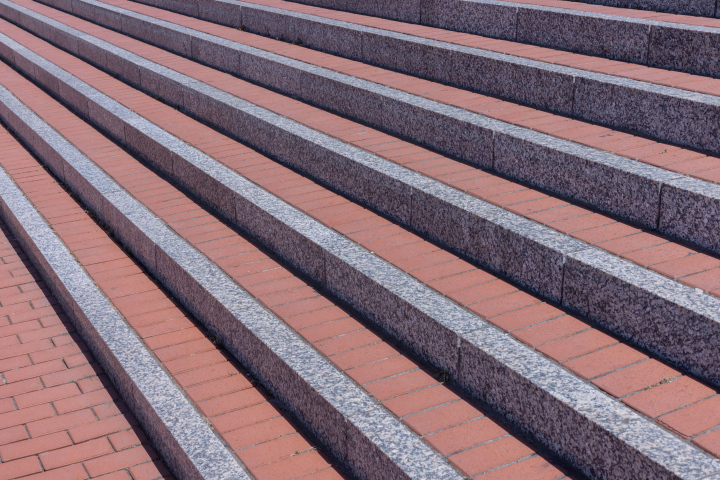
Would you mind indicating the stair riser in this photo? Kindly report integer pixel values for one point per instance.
(345, 434)
(484, 349)
(284, 383)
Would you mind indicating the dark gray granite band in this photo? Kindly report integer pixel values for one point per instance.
(609, 182)
(669, 114)
(661, 44)
(362, 434)
(531, 254)
(552, 404)
(187, 444)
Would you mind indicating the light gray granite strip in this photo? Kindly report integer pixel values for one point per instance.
(188, 445)
(669, 114)
(342, 415)
(422, 315)
(537, 256)
(612, 183)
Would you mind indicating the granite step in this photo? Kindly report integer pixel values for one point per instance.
(596, 278)
(61, 416)
(499, 346)
(610, 182)
(675, 115)
(173, 423)
(667, 41)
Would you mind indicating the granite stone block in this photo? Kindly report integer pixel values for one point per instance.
(220, 11)
(408, 54)
(686, 49)
(127, 231)
(105, 120)
(690, 209)
(603, 186)
(124, 67)
(491, 19)
(649, 309)
(23, 64)
(196, 180)
(66, 40)
(570, 414)
(266, 22)
(185, 7)
(138, 142)
(391, 313)
(215, 54)
(332, 37)
(282, 239)
(188, 446)
(676, 116)
(259, 67)
(621, 39)
(512, 78)
(402, 10)
(94, 13)
(703, 8)
(160, 85)
(157, 33)
(437, 130)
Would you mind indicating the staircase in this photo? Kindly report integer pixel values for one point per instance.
(330, 239)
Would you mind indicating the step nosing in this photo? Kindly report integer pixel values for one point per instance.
(396, 441)
(657, 430)
(199, 444)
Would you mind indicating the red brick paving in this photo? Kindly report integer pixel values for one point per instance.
(678, 401)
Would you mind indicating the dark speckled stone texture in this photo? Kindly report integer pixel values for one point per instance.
(691, 209)
(560, 89)
(531, 254)
(703, 8)
(612, 429)
(621, 39)
(671, 319)
(686, 48)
